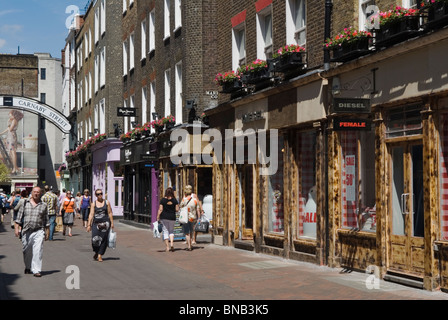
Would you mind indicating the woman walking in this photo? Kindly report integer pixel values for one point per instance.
(167, 216)
(100, 222)
(67, 211)
(194, 214)
(85, 207)
(78, 204)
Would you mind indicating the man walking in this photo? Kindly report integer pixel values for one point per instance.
(51, 200)
(33, 218)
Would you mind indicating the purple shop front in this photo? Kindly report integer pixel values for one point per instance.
(107, 173)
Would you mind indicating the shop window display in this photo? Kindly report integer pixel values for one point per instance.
(358, 180)
(444, 176)
(276, 193)
(307, 218)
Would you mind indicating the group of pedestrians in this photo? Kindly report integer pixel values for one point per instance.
(168, 208)
(35, 223)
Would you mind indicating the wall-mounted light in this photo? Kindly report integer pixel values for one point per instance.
(134, 124)
(190, 104)
(336, 86)
(155, 116)
(96, 131)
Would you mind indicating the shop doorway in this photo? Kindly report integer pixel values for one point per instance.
(406, 218)
(246, 201)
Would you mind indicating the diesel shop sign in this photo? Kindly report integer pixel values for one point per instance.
(341, 105)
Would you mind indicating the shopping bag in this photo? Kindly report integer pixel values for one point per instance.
(202, 225)
(155, 229)
(183, 215)
(112, 239)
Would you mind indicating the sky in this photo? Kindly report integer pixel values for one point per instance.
(36, 25)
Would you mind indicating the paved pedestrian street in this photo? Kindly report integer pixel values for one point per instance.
(140, 269)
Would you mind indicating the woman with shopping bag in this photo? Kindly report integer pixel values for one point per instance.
(194, 213)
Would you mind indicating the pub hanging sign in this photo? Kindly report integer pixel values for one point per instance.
(352, 124)
(343, 105)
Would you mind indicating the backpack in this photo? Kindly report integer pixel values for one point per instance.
(16, 201)
(2, 202)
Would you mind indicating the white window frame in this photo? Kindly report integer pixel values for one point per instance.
(410, 4)
(97, 25)
(178, 114)
(103, 67)
(102, 119)
(144, 35)
(238, 51)
(125, 58)
(125, 121)
(132, 106)
(292, 13)
(97, 74)
(132, 51)
(144, 105)
(177, 14)
(264, 39)
(166, 19)
(152, 30)
(363, 5)
(103, 17)
(167, 77)
(125, 6)
(152, 99)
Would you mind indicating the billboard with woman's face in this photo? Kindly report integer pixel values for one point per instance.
(19, 141)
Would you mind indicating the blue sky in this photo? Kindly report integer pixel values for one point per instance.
(35, 25)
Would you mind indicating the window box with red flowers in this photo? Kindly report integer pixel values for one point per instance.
(289, 58)
(396, 25)
(229, 81)
(436, 12)
(349, 44)
(255, 72)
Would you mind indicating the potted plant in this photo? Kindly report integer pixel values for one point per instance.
(289, 57)
(396, 25)
(126, 137)
(157, 125)
(436, 12)
(348, 44)
(254, 72)
(230, 81)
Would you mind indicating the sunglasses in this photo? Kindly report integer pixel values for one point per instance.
(99, 194)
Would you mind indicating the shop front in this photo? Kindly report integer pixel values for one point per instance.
(269, 187)
(107, 174)
(139, 162)
(386, 164)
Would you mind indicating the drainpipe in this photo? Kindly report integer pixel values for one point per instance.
(327, 32)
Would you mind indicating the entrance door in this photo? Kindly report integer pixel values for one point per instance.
(407, 216)
(245, 201)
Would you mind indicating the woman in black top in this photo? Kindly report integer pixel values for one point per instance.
(167, 216)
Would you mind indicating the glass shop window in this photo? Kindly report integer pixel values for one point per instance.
(404, 121)
(275, 194)
(307, 185)
(358, 208)
(443, 176)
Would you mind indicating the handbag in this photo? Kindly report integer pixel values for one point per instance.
(202, 225)
(183, 214)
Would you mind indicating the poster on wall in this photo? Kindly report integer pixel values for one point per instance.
(19, 142)
(350, 162)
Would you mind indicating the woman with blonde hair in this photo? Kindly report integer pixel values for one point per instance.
(194, 214)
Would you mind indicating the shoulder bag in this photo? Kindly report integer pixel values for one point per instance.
(183, 213)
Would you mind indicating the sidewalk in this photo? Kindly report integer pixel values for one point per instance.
(140, 269)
